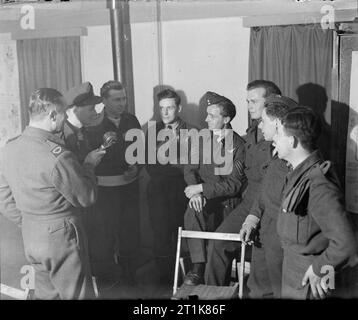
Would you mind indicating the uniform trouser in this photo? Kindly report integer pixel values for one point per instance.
(221, 253)
(206, 220)
(113, 227)
(57, 249)
(166, 203)
(266, 263)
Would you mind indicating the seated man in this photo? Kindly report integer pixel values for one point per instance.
(313, 225)
(266, 261)
(213, 194)
(258, 154)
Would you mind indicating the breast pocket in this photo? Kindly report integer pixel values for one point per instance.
(295, 228)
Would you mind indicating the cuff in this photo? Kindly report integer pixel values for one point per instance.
(252, 220)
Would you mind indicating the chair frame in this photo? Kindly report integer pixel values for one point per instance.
(209, 236)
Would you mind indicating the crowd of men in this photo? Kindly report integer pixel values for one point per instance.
(67, 182)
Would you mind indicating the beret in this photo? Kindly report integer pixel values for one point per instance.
(82, 95)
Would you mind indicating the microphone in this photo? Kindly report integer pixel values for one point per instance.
(109, 138)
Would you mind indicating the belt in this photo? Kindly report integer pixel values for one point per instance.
(114, 181)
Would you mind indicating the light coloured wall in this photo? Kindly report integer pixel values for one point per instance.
(197, 55)
(209, 54)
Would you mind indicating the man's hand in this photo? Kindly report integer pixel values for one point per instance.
(246, 231)
(197, 202)
(131, 172)
(95, 157)
(193, 190)
(319, 290)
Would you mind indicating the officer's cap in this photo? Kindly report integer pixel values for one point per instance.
(82, 95)
(278, 99)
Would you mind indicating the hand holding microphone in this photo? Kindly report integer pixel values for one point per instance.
(95, 156)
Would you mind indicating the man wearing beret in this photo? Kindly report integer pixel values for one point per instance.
(114, 227)
(43, 188)
(267, 255)
(81, 112)
(213, 194)
(166, 199)
(258, 154)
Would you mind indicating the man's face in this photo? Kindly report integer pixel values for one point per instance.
(86, 114)
(268, 126)
(256, 102)
(214, 118)
(168, 110)
(116, 102)
(282, 142)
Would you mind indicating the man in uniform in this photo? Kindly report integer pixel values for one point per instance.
(258, 154)
(266, 262)
(165, 191)
(81, 112)
(313, 226)
(43, 188)
(114, 222)
(213, 194)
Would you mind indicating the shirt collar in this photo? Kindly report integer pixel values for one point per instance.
(303, 167)
(73, 120)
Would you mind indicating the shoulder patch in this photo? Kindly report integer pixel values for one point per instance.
(58, 150)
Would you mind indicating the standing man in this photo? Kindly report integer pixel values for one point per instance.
(258, 154)
(313, 225)
(267, 255)
(212, 194)
(81, 112)
(43, 188)
(114, 223)
(166, 199)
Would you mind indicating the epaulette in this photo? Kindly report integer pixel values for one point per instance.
(12, 139)
(321, 168)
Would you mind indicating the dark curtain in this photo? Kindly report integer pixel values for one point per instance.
(48, 62)
(298, 58)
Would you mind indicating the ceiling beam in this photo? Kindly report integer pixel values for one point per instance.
(274, 20)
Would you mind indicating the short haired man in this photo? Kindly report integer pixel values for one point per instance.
(81, 112)
(114, 226)
(313, 225)
(43, 188)
(258, 154)
(213, 194)
(266, 262)
(166, 199)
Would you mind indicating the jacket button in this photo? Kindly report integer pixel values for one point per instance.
(284, 210)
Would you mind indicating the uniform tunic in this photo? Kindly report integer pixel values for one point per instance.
(166, 200)
(267, 255)
(43, 189)
(223, 193)
(258, 154)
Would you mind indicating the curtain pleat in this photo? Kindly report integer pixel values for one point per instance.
(49, 62)
(298, 58)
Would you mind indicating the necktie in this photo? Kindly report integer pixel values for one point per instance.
(167, 127)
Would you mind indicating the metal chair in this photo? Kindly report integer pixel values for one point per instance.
(209, 236)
